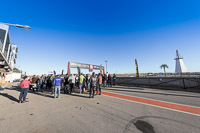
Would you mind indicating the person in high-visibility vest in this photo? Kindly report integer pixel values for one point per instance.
(81, 79)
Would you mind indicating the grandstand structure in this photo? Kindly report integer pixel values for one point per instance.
(8, 52)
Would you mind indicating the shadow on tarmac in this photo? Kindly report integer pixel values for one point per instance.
(17, 88)
(9, 97)
(45, 93)
(42, 94)
(78, 95)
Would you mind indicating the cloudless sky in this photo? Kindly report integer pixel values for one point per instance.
(92, 31)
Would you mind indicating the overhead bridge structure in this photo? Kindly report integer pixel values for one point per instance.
(8, 52)
(80, 66)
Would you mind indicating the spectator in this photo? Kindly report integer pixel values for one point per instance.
(71, 83)
(34, 82)
(66, 83)
(109, 81)
(104, 80)
(114, 79)
(88, 82)
(99, 84)
(41, 83)
(76, 81)
(57, 84)
(24, 90)
(81, 81)
(93, 83)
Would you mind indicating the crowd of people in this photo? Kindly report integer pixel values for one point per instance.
(91, 83)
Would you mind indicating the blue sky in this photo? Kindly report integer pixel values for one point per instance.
(91, 31)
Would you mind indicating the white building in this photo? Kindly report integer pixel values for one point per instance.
(180, 67)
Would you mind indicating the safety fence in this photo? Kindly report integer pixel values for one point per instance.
(170, 82)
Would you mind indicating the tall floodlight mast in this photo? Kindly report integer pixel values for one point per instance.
(180, 67)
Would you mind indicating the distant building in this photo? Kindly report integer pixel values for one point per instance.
(180, 67)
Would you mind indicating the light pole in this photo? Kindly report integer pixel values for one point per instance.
(26, 27)
(106, 66)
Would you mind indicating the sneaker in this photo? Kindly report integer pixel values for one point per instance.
(19, 102)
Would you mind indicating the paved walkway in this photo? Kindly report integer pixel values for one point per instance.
(104, 114)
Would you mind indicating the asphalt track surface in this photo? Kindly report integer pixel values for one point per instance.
(119, 109)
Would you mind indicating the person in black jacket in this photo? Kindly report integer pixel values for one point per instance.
(93, 83)
(66, 84)
(114, 79)
(104, 80)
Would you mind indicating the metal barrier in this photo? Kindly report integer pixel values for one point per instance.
(170, 82)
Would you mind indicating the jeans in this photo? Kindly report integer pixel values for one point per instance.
(99, 88)
(41, 87)
(114, 82)
(23, 94)
(71, 88)
(104, 83)
(109, 83)
(88, 85)
(57, 92)
(92, 90)
(52, 89)
(81, 87)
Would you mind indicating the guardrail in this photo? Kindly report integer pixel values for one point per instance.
(170, 82)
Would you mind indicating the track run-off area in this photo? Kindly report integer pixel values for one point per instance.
(119, 109)
(161, 104)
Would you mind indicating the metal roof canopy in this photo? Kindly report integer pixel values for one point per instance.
(4, 60)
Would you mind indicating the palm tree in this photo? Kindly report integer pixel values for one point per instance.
(164, 66)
